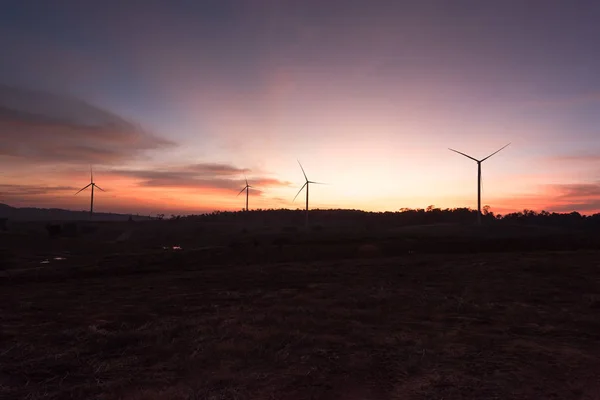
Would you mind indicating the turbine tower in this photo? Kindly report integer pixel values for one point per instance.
(479, 177)
(307, 183)
(246, 189)
(93, 185)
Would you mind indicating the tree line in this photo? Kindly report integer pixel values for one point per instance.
(404, 216)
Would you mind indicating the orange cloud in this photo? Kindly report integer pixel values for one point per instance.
(566, 197)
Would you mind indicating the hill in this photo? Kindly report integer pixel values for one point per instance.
(57, 214)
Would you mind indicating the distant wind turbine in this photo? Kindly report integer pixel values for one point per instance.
(479, 179)
(307, 183)
(93, 185)
(246, 188)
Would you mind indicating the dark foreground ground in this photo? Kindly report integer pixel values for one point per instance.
(479, 326)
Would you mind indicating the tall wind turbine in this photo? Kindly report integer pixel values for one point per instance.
(307, 183)
(93, 185)
(246, 189)
(479, 177)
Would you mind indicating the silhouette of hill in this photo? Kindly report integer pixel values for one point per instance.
(57, 214)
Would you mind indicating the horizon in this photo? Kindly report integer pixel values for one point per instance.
(174, 104)
(207, 212)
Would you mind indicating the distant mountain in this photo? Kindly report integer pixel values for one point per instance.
(56, 214)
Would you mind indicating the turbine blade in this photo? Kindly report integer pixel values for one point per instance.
(241, 191)
(306, 183)
(496, 152)
(318, 183)
(305, 177)
(98, 187)
(91, 175)
(245, 178)
(466, 155)
(82, 189)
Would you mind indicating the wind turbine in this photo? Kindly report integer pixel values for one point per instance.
(93, 185)
(307, 183)
(246, 189)
(479, 177)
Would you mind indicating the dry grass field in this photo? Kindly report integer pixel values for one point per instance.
(135, 321)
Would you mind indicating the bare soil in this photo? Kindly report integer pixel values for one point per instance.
(462, 326)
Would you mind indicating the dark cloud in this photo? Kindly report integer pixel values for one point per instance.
(192, 183)
(592, 206)
(578, 190)
(46, 127)
(215, 169)
(583, 197)
(198, 176)
(31, 190)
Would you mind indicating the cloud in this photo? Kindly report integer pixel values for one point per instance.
(46, 127)
(35, 196)
(578, 190)
(212, 176)
(583, 197)
(561, 197)
(14, 190)
(589, 207)
(212, 169)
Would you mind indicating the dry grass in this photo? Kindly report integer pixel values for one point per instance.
(489, 326)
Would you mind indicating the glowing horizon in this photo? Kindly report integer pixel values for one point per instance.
(368, 98)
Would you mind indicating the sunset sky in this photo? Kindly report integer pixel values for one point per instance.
(173, 101)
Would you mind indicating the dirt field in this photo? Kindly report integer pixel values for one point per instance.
(487, 326)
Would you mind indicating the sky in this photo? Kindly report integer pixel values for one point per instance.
(174, 102)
